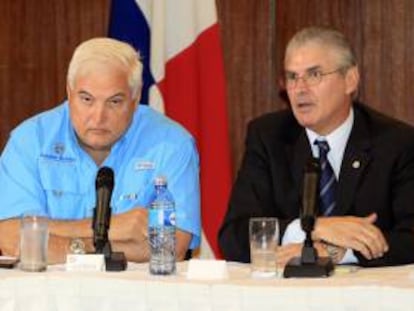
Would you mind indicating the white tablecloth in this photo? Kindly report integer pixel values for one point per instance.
(385, 289)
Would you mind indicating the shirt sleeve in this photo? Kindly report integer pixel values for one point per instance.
(293, 233)
(20, 188)
(180, 164)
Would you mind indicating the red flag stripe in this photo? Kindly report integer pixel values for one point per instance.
(194, 94)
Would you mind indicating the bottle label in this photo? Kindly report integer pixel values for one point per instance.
(159, 217)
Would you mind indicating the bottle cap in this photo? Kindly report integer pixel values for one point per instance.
(160, 181)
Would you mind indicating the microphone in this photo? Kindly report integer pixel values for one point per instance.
(102, 213)
(114, 261)
(308, 213)
(309, 264)
(310, 195)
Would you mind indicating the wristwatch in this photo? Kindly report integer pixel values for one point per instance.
(332, 250)
(77, 246)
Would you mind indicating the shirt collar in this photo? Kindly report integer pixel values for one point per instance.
(337, 141)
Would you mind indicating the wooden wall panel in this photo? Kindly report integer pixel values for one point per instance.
(387, 50)
(247, 38)
(37, 39)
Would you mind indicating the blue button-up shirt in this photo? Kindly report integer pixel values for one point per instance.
(43, 168)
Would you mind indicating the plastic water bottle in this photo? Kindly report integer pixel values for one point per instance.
(161, 229)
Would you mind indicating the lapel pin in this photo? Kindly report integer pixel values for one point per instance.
(356, 164)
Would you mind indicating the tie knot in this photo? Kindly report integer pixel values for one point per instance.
(323, 146)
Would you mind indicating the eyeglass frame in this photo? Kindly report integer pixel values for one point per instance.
(307, 75)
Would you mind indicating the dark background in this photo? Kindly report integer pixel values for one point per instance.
(37, 39)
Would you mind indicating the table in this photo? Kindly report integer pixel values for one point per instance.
(389, 288)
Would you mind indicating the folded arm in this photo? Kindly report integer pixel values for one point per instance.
(128, 233)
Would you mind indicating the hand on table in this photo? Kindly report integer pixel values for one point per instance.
(351, 232)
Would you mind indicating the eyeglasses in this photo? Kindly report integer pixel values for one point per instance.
(311, 77)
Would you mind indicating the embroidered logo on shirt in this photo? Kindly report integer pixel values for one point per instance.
(144, 165)
(57, 154)
(58, 158)
(59, 148)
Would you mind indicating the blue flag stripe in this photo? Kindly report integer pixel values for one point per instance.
(127, 23)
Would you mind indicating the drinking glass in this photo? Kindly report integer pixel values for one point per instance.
(34, 237)
(264, 240)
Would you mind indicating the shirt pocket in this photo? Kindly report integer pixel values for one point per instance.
(66, 197)
(136, 187)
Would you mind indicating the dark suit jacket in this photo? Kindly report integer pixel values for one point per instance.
(270, 180)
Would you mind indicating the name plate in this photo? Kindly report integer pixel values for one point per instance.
(207, 269)
(85, 262)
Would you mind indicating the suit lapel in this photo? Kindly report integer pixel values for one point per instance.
(298, 153)
(356, 159)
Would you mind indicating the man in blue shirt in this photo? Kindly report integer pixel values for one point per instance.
(51, 160)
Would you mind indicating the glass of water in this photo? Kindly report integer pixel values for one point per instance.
(264, 240)
(34, 237)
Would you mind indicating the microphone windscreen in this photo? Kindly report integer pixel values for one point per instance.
(105, 178)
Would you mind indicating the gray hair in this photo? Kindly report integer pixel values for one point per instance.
(328, 37)
(104, 51)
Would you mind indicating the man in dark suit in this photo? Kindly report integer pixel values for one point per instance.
(370, 220)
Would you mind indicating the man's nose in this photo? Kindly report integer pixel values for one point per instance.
(99, 113)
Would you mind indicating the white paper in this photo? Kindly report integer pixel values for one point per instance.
(207, 269)
(85, 262)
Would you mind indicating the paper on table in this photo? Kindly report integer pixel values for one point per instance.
(85, 262)
(207, 269)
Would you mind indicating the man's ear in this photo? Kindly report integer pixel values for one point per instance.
(352, 80)
(67, 91)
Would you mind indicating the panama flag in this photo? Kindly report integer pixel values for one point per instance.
(179, 42)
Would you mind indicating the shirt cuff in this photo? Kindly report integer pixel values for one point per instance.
(293, 233)
(349, 257)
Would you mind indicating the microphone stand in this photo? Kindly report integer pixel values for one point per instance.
(114, 261)
(309, 264)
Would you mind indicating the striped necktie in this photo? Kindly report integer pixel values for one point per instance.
(327, 182)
